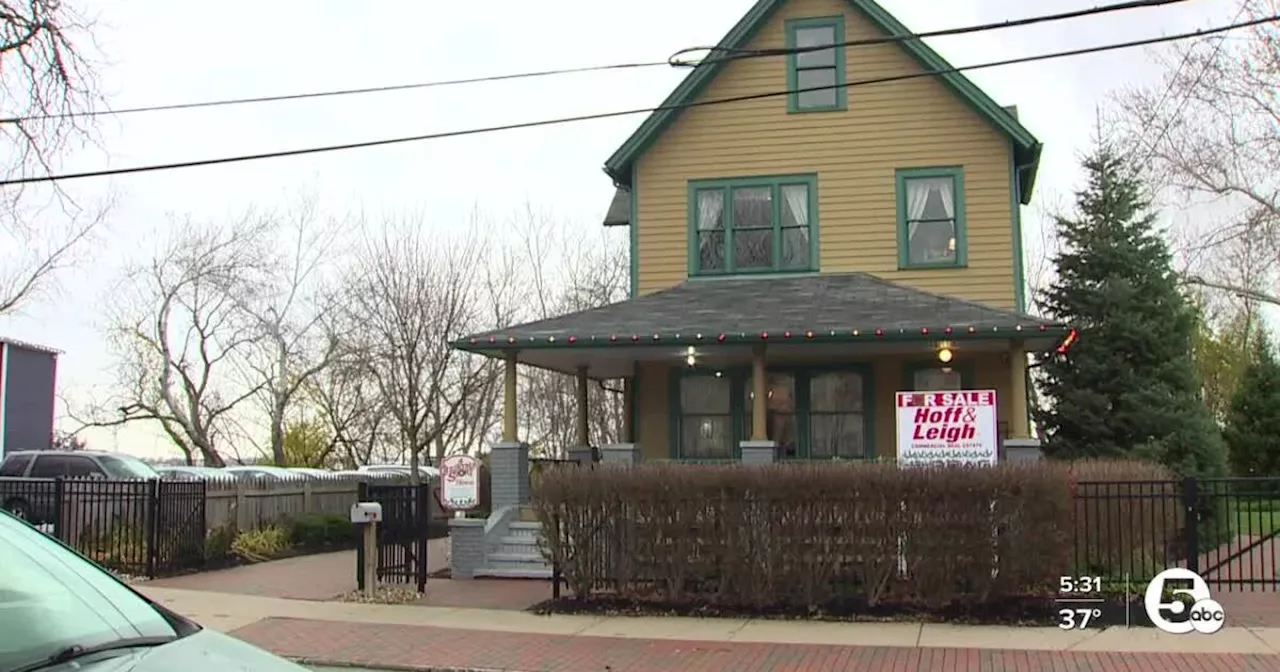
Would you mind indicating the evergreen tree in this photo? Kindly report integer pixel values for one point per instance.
(1253, 419)
(1129, 386)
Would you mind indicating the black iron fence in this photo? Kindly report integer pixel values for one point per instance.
(140, 528)
(1225, 529)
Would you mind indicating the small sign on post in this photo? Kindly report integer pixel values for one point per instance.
(367, 515)
(460, 483)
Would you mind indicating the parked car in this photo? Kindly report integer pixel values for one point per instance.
(262, 471)
(60, 612)
(308, 471)
(21, 471)
(185, 473)
(423, 471)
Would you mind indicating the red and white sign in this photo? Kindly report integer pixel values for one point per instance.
(460, 482)
(947, 428)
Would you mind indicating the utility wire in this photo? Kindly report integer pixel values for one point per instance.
(624, 113)
(965, 30)
(1173, 80)
(673, 61)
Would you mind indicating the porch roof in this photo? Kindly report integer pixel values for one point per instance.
(814, 309)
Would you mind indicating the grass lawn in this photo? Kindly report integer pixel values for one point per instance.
(1256, 518)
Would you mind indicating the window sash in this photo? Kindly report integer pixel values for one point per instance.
(827, 61)
(931, 218)
(726, 230)
(802, 419)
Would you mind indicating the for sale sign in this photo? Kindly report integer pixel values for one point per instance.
(947, 428)
(460, 482)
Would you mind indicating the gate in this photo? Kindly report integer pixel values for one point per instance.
(1238, 529)
(402, 534)
(1227, 530)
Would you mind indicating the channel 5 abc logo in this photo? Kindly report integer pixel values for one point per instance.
(1204, 615)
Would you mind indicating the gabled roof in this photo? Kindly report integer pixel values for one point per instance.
(1026, 146)
(837, 307)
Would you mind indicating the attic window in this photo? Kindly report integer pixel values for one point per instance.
(816, 78)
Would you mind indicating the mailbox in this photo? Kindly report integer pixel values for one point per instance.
(366, 512)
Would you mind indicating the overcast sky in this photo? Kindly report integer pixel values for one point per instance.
(159, 51)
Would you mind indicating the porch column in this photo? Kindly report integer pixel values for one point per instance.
(759, 392)
(1019, 420)
(510, 429)
(509, 458)
(759, 449)
(581, 451)
(628, 405)
(584, 425)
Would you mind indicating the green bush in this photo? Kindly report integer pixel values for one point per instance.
(217, 542)
(268, 543)
(322, 530)
(808, 535)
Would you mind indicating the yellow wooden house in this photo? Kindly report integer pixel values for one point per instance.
(798, 258)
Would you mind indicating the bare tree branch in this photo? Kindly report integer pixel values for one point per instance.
(45, 81)
(182, 333)
(406, 297)
(1207, 134)
(289, 308)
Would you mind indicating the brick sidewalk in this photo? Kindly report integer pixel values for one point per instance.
(410, 647)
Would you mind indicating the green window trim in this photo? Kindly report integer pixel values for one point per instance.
(801, 375)
(795, 65)
(903, 177)
(726, 188)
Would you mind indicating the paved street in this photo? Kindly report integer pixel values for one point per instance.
(414, 637)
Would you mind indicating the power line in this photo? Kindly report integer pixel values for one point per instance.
(946, 32)
(624, 113)
(1177, 112)
(672, 61)
(330, 94)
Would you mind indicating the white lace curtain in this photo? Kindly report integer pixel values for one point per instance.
(919, 192)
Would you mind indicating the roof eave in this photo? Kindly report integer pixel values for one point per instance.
(620, 164)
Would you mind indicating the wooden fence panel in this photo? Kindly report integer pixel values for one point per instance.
(254, 504)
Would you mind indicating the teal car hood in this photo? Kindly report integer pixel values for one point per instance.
(204, 651)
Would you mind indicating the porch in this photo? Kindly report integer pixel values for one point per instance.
(748, 369)
(764, 369)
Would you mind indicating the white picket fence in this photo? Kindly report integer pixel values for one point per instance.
(253, 504)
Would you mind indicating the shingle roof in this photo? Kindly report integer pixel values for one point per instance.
(824, 304)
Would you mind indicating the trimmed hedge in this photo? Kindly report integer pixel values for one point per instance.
(808, 535)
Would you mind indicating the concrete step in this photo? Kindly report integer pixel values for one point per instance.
(528, 548)
(502, 559)
(515, 544)
(517, 526)
(508, 573)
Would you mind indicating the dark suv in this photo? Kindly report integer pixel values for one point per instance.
(35, 504)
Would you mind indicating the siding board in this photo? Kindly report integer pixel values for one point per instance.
(912, 123)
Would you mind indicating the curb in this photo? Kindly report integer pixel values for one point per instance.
(321, 662)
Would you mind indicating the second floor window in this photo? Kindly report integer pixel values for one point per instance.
(931, 220)
(817, 76)
(753, 225)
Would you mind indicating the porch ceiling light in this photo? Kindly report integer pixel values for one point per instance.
(945, 354)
